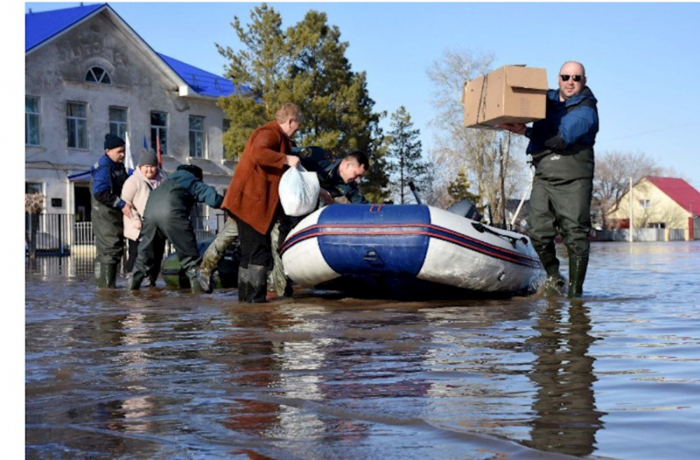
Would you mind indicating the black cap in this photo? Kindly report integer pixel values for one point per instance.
(112, 141)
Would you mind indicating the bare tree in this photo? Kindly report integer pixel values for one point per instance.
(485, 154)
(613, 171)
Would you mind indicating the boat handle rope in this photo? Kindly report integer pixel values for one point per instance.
(481, 228)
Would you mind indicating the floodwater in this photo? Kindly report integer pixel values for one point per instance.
(168, 375)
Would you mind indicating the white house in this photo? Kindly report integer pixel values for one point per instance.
(88, 73)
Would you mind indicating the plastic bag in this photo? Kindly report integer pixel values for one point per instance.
(299, 190)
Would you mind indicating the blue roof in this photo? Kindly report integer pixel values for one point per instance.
(40, 27)
(203, 82)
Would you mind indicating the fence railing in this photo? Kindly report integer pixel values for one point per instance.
(60, 234)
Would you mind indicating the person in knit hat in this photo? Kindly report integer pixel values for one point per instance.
(146, 177)
(108, 177)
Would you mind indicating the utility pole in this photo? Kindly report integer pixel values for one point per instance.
(631, 213)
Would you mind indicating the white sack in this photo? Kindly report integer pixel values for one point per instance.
(299, 191)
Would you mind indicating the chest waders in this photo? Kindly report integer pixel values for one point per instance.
(561, 203)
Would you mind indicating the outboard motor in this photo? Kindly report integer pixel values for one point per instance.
(466, 208)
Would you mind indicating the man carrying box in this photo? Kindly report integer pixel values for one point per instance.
(561, 146)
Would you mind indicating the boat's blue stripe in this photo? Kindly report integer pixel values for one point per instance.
(384, 236)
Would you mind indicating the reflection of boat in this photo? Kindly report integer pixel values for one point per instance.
(406, 250)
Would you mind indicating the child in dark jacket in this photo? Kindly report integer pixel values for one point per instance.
(167, 216)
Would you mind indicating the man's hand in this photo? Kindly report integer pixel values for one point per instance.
(517, 128)
(292, 161)
(325, 196)
(126, 210)
(137, 225)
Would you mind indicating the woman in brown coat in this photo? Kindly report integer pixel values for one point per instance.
(253, 199)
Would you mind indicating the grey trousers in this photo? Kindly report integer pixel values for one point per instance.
(216, 249)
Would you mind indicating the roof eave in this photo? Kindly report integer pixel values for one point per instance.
(187, 91)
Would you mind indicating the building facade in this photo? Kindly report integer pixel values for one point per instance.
(87, 73)
(661, 203)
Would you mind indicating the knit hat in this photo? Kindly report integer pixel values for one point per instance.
(148, 157)
(112, 141)
(196, 171)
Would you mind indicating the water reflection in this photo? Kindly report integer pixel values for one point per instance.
(567, 419)
(165, 374)
(294, 375)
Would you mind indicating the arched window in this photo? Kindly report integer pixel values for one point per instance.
(98, 75)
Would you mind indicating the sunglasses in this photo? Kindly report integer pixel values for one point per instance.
(576, 78)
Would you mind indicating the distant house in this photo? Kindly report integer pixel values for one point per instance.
(88, 73)
(662, 203)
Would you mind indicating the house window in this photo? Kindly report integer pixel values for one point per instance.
(117, 121)
(196, 136)
(33, 187)
(76, 121)
(31, 119)
(159, 131)
(98, 75)
(646, 204)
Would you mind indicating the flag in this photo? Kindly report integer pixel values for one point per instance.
(128, 158)
(160, 159)
(145, 144)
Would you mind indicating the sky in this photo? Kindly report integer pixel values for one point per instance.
(641, 59)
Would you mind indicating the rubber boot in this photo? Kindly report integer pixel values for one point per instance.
(209, 263)
(243, 284)
(194, 281)
(100, 278)
(258, 283)
(110, 275)
(555, 283)
(204, 280)
(106, 275)
(135, 281)
(577, 274)
(152, 280)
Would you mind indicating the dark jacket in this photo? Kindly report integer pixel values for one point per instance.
(253, 194)
(108, 179)
(176, 196)
(561, 145)
(325, 165)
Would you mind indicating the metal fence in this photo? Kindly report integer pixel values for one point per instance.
(644, 234)
(61, 235)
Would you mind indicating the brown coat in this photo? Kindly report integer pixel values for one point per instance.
(252, 194)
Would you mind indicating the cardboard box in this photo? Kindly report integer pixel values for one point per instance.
(511, 94)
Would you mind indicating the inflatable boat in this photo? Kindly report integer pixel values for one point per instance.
(410, 250)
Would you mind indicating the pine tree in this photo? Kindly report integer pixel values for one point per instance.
(404, 157)
(458, 189)
(259, 71)
(306, 65)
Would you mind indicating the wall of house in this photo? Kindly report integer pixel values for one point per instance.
(661, 208)
(56, 74)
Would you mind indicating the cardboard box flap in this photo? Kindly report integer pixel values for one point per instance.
(526, 77)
